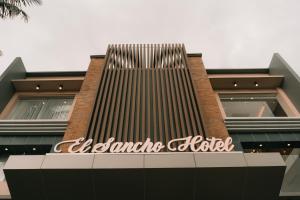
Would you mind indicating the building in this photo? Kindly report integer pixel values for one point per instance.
(150, 122)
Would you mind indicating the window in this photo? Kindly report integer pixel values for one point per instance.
(31, 108)
(251, 105)
(256, 104)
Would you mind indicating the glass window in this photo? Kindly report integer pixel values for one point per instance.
(31, 108)
(251, 105)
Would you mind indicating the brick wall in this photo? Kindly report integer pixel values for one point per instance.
(213, 122)
(83, 107)
(212, 118)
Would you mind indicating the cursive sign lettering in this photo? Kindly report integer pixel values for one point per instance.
(193, 143)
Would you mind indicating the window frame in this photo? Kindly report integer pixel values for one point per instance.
(18, 95)
(282, 98)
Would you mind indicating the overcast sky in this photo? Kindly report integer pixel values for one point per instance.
(62, 34)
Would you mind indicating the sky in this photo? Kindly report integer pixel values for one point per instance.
(62, 34)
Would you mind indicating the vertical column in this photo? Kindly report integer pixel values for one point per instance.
(212, 119)
(84, 104)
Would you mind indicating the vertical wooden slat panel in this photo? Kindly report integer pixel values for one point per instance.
(178, 105)
(145, 92)
(159, 99)
(128, 100)
(143, 130)
(117, 85)
(173, 86)
(133, 99)
(192, 92)
(100, 117)
(121, 130)
(186, 96)
(138, 102)
(120, 105)
(108, 106)
(149, 89)
(182, 96)
(172, 122)
(154, 94)
(99, 97)
(120, 94)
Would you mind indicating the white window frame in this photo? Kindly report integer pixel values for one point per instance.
(19, 95)
(282, 99)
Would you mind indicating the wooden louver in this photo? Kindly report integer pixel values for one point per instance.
(146, 91)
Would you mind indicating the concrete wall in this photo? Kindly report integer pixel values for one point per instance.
(16, 70)
(291, 83)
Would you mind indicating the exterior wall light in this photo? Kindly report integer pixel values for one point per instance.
(256, 84)
(288, 144)
(284, 151)
(260, 145)
(6, 149)
(34, 149)
(60, 87)
(235, 84)
(37, 87)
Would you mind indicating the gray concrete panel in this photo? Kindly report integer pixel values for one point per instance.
(291, 83)
(68, 161)
(25, 177)
(122, 161)
(24, 162)
(210, 159)
(215, 183)
(15, 70)
(234, 176)
(169, 183)
(264, 159)
(265, 174)
(165, 160)
(65, 184)
(116, 184)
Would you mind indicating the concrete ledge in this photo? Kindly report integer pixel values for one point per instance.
(118, 161)
(172, 160)
(263, 159)
(4, 191)
(173, 176)
(24, 162)
(66, 161)
(232, 159)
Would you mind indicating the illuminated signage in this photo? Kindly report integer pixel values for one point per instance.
(192, 143)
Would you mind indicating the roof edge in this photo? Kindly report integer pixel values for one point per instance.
(97, 56)
(56, 73)
(238, 71)
(194, 55)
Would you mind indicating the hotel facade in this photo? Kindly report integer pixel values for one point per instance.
(149, 122)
